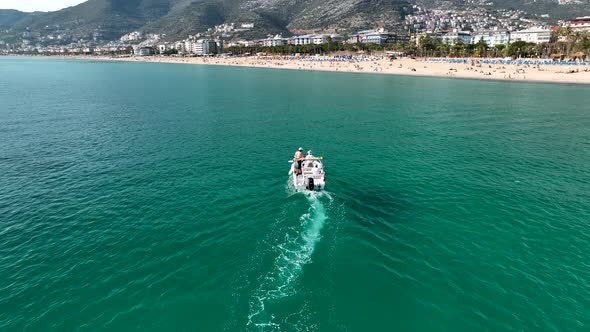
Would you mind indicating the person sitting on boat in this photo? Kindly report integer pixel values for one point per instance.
(310, 158)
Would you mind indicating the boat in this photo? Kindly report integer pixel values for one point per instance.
(311, 176)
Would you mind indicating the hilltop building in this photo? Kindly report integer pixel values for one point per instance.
(226, 27)
(132, 36)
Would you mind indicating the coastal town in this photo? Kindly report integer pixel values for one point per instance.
(434, 30)
(476, 45)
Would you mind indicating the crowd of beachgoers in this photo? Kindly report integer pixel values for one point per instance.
(509, 61)
(334, 58)
(500, 69)
(523, 66)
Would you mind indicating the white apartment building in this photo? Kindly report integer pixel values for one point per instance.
(165, 47)
(277, 40)
(301, 40)
(132, 36)
(491, 38)
(319, 39)
(189, 46)
(204, 47)
(533, 35)
(179, 46)
(244, 43)
(452, 37)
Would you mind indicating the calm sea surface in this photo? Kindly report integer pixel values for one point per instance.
(154, 197)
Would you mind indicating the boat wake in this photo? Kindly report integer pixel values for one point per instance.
(293, 254)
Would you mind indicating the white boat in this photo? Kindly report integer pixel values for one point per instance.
(311, 176)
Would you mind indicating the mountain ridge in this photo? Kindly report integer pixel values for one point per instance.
(10, 17)
(110, 19)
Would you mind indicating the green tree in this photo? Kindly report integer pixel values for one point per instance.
(499, 49)
(459, 48)
(170, 52)
(428, 45)
(481, 47)
(520, 49)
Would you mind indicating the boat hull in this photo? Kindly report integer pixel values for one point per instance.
(302, 183)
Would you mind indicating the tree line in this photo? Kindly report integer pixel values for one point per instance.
(313, 49)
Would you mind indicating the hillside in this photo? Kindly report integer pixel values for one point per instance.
(110, 19)
(551, 8)
(535, 8)
(9, 17)
(280, 16)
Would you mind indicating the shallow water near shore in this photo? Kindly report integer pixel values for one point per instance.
(150, 197)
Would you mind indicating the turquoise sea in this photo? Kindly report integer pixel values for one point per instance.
(155, 197)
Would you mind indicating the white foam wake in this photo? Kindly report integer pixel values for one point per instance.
(295, 252)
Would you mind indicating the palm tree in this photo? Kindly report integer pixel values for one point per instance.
(459, 48)
(329, 42)
(443, 49)
(481, 46)
(567, 36)
(499, 48)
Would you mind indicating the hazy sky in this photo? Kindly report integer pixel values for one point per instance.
(38, 5)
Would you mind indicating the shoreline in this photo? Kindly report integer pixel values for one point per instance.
(404, 67)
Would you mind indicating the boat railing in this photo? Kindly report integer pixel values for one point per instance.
(307, 159)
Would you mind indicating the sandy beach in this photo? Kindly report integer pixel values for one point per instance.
(403, 66)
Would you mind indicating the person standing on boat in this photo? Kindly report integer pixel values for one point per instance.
(299, 157)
